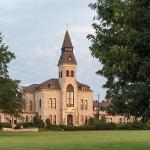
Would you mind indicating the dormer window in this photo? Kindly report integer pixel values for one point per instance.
(70, 59)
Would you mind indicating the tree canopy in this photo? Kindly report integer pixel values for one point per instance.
(11, 101)
(122, 44)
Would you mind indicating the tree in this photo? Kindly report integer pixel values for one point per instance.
(11, 101)
(37, 122)
(122, 44)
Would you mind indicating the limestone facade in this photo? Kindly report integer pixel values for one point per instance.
(63, 100)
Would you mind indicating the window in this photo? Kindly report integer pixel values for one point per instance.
(67, 73)
(51, 86)
(124, 120)
(120, 120)
(27, 118)
(69, 58)
(110, 119)
(50, 118)
(40, 103)
(54, 119)
(81, 104)
(86, 120)
(82, 120)
(70, 96)
(54, 103)
(61, 74)
(72, 73)
(15, 121)
(30, 106)
(0, 118)
(50, 103)
(31, 119)
(86, 104)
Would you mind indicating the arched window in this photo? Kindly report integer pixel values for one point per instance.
(110, 119)
(86, 119)
(40, 103)
(54, 119)
(72, 73)
(82, 120)
(67, 73)
(27, 118)
(50, 118)
(120, 120)
(61, 74)
(0, 118)
(70, 96)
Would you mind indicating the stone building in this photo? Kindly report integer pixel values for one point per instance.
(99, 108)
(64, 100)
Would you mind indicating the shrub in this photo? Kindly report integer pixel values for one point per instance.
(37, 122)
(136, 125)
(5, 125)
(24, 125)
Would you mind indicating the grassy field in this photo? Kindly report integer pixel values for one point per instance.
(79, 140)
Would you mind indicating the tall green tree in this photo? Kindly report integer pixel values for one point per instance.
(122, 44)
(11, 101)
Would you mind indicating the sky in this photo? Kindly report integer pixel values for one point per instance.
(34, 31)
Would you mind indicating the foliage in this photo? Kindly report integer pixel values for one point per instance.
(137, 125)
(24, 125)
(122, 44)
(47, 122)
(37, 122)
(5, 125)
(11, 101)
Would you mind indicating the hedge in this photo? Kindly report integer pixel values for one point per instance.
(5, 125)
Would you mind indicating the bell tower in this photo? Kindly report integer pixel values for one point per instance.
(67, 61)
(67, 80)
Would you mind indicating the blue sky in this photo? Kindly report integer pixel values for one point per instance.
(34, 31)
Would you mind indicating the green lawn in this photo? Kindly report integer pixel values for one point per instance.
(79, 140)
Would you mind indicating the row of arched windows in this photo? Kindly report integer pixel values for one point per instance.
(52, 119)
(68, 74)
(84, 119)
(28, 119)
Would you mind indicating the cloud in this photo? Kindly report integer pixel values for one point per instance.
(34, 30)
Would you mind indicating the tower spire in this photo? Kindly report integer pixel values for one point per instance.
(67, 44)
(67, 55)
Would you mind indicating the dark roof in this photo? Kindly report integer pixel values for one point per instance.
(67, 42)
(67, 55)
(83, 87)
(30, 88)
(51, 84)
(67, 58)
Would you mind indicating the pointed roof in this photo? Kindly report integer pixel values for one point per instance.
(67, 55)
(67, 42)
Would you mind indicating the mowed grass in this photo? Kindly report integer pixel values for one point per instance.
(77, 140)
